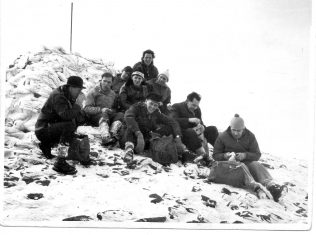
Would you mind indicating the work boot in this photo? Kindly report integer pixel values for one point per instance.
(277, 191)
(63, 167)
(105, 134)
(46, 150)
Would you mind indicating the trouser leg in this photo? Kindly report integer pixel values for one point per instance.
(211, 134)
(191, 140)
(259, 172)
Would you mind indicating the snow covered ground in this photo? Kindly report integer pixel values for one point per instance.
(108, 193)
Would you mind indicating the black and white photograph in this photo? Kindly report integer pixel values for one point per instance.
(158, 114)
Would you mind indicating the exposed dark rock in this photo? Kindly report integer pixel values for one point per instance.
(35, 196)
(266, 218)
(12, 178)
(94, 154)
(43, 182)
(8, 184)
(238, 222)
(153, 219)
(29, 179)
(289, 184)
(79, 218)
(267, 165)
(103, 175)
(283, 166)
(208, 202)
(156, 197)
(196, 189)
(245, 214)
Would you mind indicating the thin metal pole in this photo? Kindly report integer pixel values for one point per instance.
(71, 28)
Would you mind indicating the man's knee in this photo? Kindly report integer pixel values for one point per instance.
(211, 134)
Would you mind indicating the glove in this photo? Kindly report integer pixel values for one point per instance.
(180, 146)
(140, 143)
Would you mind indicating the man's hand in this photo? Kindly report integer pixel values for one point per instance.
(195, 120)
(240, 156)
(179, 145)
(106, 110)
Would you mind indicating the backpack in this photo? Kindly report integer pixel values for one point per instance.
(79, 149)
(163, 150)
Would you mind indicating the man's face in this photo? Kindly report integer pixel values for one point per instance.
(151, 105)
(124, 75)
(237, 130)
(74, 92)
(137, 80)
(148, 58)
(193, 105)
(106, 83)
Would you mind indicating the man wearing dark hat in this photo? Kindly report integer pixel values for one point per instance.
(146, 65)
(59, 119)
(143, 118)
(238, 147)
(120, 79)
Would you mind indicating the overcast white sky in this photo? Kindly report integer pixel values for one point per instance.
(243, 56)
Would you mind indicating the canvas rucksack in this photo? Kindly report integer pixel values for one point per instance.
(79, 150)
(163, 150)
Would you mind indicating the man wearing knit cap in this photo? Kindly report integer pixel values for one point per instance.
(120, 79)
(146, 65)
(237, 148)
(159, 86)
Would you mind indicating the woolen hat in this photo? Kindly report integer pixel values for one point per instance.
(165, 74)
(75, 81)
(138, 73)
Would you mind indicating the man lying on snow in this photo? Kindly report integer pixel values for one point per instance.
(58, 121)
(237, 152)
(101, 111)
(144, 118)
(195, 134)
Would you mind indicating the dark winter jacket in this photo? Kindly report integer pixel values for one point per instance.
(117, 83)
(162, 90)
(181, 113)
(131, 94)
(98, 99)
(149, 71)
(59, 107)
(137, 118)
(247, 143)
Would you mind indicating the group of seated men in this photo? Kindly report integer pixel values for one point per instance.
(130, 107)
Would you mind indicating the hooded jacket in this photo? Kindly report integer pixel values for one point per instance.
(247, 143)
(59, 107)
(149, 71)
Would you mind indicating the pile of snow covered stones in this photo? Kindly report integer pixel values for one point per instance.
(108, 191)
